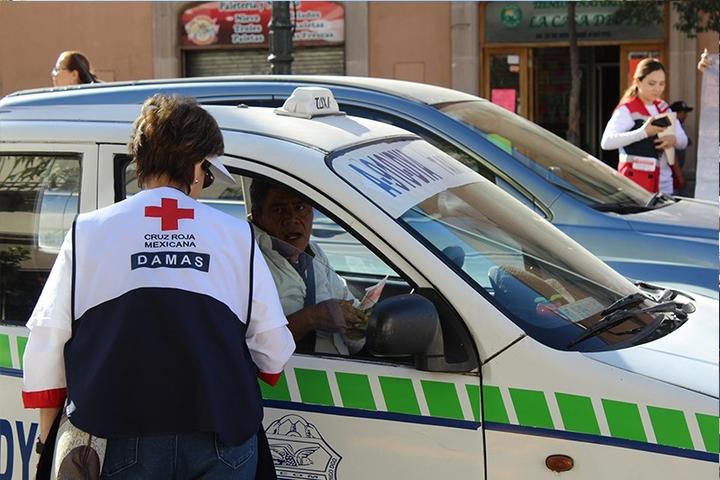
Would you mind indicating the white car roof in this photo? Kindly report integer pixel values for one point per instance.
(326, 133)
(430, 94)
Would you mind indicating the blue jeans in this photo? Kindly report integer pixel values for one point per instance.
(195, 455)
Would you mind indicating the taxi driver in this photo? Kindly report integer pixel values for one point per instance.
(319, 306)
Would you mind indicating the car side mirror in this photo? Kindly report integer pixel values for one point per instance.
(402, 325)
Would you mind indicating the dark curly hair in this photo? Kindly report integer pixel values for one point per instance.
(170, 136)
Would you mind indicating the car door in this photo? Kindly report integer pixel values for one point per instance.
(42, 187)
(330, 414)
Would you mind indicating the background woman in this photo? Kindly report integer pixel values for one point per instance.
(642, 153)
(72, 68)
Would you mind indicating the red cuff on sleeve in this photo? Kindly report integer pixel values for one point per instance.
(269, 378)
(45, 398)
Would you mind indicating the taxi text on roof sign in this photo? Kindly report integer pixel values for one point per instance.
(309, 102)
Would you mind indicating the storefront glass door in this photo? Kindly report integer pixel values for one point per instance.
(506, 79)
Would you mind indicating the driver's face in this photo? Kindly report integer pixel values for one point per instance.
(286, 216)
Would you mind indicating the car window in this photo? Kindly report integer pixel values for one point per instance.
(554, 159)
(447, 147)
(39, 198)
(310, 287)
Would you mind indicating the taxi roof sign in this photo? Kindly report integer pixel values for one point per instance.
(309, 102)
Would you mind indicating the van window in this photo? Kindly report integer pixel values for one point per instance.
(39, 198)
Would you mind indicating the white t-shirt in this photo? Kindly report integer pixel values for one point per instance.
(291, 288)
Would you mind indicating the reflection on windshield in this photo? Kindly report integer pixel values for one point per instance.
(551, 157)
(549, 285)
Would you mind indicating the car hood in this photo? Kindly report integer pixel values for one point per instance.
(683, 218)
(687, 357)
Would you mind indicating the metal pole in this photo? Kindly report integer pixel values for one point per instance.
(281, 32)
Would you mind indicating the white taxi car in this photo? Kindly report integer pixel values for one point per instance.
(500, 348)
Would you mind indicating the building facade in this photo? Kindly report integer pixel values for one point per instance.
(513, 53)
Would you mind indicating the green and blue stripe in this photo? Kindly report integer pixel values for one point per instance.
(579, 419)
(458, 405)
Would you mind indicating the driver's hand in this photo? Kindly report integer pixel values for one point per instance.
(328, 316)
(355, 319)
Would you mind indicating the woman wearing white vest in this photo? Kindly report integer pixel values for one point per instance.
(630, 129)
(153, 323)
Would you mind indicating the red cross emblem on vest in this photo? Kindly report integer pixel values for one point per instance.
(169, 213)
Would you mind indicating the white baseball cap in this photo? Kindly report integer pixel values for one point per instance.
(218, 169)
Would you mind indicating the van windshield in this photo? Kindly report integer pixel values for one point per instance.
(554, 159)
(548, 285)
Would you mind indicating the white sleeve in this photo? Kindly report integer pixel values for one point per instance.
(680, 136)
(618, 132)
(50, 327)
(270, 342)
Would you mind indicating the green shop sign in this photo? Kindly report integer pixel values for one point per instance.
(524, 22)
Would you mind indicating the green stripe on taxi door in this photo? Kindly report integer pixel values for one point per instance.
(442, 399)
(279, 392)
(670, 427)
(473, 392)
(355, 391)
(624, 420)
(399, 395)
(710, 431)
(493, 405)
(314, 386)
(531, 408)
(5, 356)
(577, 413)
(21, 344)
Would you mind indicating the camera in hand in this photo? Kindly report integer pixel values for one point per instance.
(661, 122)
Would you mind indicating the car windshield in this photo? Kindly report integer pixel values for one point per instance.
(548, 285)
(548, 155)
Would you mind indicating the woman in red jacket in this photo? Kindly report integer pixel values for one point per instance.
(631, 129)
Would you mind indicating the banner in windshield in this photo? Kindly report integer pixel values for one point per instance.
(398, 175)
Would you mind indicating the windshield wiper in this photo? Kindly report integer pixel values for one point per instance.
(625, 302)
(627, 206)
(620, 315)
(667, 293)
(615, 313)
(658, 198)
